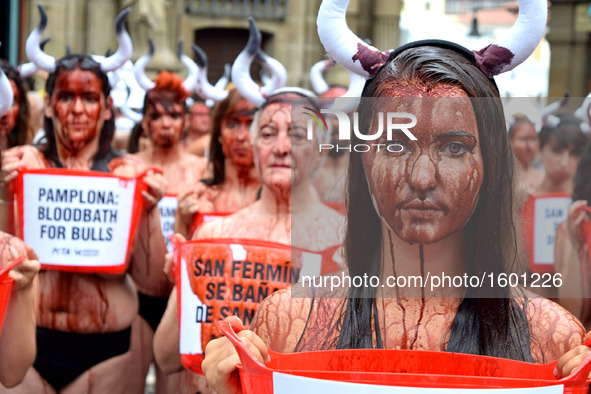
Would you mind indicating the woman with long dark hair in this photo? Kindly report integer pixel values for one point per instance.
(233, 183)
(437, 203)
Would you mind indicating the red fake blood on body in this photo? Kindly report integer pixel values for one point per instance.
(398, 301)
(370, 60)
(422, 259)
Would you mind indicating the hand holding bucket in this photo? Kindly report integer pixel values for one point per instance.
(6, 284)
(338, 369)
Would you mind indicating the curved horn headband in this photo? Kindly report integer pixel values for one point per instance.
(190, 82)
(317, 79)
(278, 72)
(139, 69)
(6, 93)
(204, 88)
(548, 111)
(125, 49)
(584, 111)
(221, 83)
(241, 68)
(33, 46)
(27, 69)
(502, 55)
(342, 44)
(510, 50)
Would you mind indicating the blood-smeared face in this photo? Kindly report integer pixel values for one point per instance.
(78, 109)
(285, 157)
(429, 190)
(525, 143)
(8, 121)
(164, 125)
(235, 134)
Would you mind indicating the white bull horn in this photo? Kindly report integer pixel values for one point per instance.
(204, 88)
(241, 68)
(190, 83)
(317, 79)
(139, 68)
(125, 46)
(33, 46)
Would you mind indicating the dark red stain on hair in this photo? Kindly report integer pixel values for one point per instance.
(492, 58)
(371, 60)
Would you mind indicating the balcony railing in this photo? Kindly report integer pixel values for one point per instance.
(261, 9)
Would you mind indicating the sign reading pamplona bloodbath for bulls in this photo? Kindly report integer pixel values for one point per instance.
(79, 221)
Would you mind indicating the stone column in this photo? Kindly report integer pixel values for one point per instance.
(152, 19)
(386, 17)
(569, 44)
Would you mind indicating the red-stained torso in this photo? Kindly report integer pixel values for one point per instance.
(280, 322)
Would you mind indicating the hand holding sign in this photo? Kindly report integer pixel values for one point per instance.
(577, 216)
(24, 273)
(157, 186)
(18, 158)
(221, 358)
(189, 203)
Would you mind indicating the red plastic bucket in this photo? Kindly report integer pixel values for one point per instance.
(216, 278)
(6, 287)
(388, 371)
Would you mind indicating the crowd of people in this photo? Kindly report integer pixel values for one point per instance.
(461, 197)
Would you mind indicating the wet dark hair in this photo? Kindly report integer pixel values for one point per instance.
(22, 133)
(84, 63)
(482, 325)
(567, 135)
(582, 181)
(133, 144)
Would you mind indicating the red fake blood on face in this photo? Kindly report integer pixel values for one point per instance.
(398, 301)
(370, 60)
(422, 259)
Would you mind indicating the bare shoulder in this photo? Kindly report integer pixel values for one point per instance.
(10, 248)
(281, 318)
(554, 330)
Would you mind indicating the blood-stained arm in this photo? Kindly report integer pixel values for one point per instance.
(17, 341)
(146, 262)
(553, 330)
